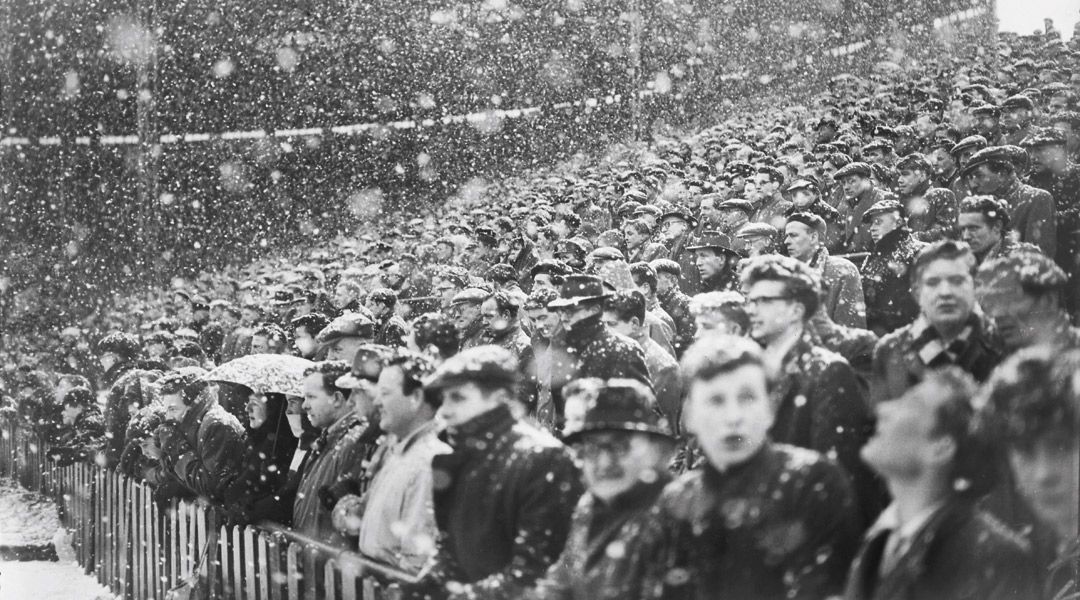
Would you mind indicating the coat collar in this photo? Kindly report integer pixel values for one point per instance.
(494, 422)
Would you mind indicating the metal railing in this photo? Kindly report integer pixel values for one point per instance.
(139, 549)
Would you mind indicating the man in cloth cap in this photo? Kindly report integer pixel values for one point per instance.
(624, 448)
(804, 236)
(885, 273)
(715, 260)
(340, 339)
(676, 227)
(1024, 295)
(504, 495)
(860, 194)
(984, 227)
(465, 310)
(1031, 210)
(931, 211)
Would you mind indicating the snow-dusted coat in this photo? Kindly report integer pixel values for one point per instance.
(205, 451)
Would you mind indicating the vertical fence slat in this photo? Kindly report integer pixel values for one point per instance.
(311, 574)
(263, 564)
(292, 555)
(278, 574)
(251, 584)
(329, 581)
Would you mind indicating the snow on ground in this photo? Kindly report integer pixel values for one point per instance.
(28, 518)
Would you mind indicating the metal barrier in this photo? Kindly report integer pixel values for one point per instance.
(140, 550)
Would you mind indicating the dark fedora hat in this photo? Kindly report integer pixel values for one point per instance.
(622, 405)
(579, 288)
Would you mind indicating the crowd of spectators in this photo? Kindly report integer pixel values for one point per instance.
(816, 350)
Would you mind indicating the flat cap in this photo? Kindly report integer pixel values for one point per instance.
(878, 144)
(350, 324)
(915, 162)
(1018, 101)
(737, 204)
(976, 142)
(366, 366)
(801, 184)
(469, 296)
(753, 230)
(882, 207)
(1047, 136)
(1029, 271)
(681, 214)
(985, 109)
(860, 169)
(606, 253)
(489, 364)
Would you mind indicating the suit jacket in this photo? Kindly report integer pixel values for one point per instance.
(959, 554)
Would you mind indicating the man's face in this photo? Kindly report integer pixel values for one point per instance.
(801, 241)
(754, 190)
(883, 224)
(492, 318)
(709, 214)
(772, 313)
(322, 407)
(613, 462)
(445, 290)
(986, 126)
(378, 309)
(1044, 158)
(260, 344)
(69, 413)
(732, 219)
(613, 323)
(672, 228)
(978, 232)
(544, 322)
(985, 181)
(575, 313)
(710, 262)
(1015, 118)
(344, 348)
(1057, 103)
(108, 359)
(943, 161)
(248, 316)
(911, 179)
(465, 315)
(304, 342)
(854, 185)
(946, 292)
(1072, 139)
(1046, 472)
(175, 409)
(343, 295)
(803, 198)
(1016, 314)
(397, 411)
(904, 432)
(874, 155)
(463, 402)
(710, 322)
(634, 238)
(730, 414)
(665, 282)
(444, 251)
(542, 281)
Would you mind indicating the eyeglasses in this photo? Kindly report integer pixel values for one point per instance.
(762, 299)
(615, 447)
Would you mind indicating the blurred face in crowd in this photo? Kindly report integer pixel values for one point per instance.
(260, 344)
(756, 245)
(398, 412)
(634, 238)
(543, 321)
(304, 342)
(575, 313)
(978, 232)
(108, 359)
(986, 125)
(1048, 158)
(855, 184)
(323, 408)
(943, 161)
(248, 317)
(713, 321)
(875, 155)
(445, 290)
(983, 180)
(803, 198)
(964, 156)
(905, 443)
(543, 281)
(884, 223)
(492, 318)
(1057, 103)
(69, 413)
(1021, 318)
(732, 219)
(344, 348)
(628, 328)
(1072, 139)
(466, 314)
(710, 262)
(463, 402)
(378, 309)
(1046, 471)
(61, 390)
(801, 240)
(672, 228)
(911, 179)
(665, 282)
(613, 462)
(709, 213)
(444, 251)
(175, 409)
(1013, 119)
(946, 292)
(772, 313)
(256, 410)
(730, 415)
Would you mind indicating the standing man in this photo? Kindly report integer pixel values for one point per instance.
(1031, 210)
(504, 495)
(128, 389)
(674, 302)
(675, 233)
(759, 519)
(947, 331)
(885, 273)
(624, 448)
(804, 236)
(337, 456)
(859, 195)
(931, 542)
(715, 259)
(1023, 294)
(465, 310)
(390, 329)
(398, 525)
(931, 211)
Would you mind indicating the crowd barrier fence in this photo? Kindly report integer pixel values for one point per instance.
(140, 550)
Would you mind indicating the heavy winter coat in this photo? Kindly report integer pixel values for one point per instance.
(677, 304)
(780, 525)
(843, 289)
(268, 451)
(204, 452)
(81, 441)
(932, 213)
(129, 390)
(503, 502)
(959, 554)
(609, 548)
(1032, 215)
(886, 282)
(594, 351)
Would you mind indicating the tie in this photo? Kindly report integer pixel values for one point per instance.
(895, 548)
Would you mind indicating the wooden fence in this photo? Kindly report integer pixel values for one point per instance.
(140, 550)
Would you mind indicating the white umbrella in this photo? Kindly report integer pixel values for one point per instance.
(274, 373)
